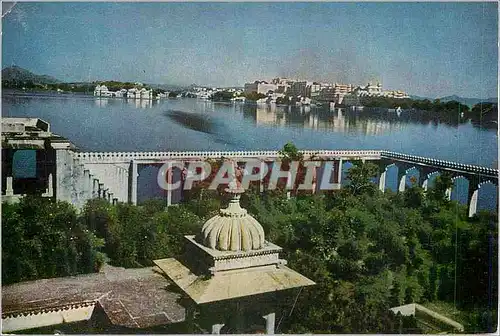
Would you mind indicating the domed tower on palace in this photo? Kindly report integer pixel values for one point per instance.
(228, 263)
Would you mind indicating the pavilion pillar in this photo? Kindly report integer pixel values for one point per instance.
(124, 186)
(216, 328)
(120, 184)
(87, 185)
(49, 192)
(425, 185)
(473, 203)
(261, 184)
(91, 186)
(132, 190)
(9, 190)
(289, 185)
(381, 182)
(448, 194)
(95, 188)
(169, 191)
(319, 177)
(402, 183)
(314, 181)
(270, 322)
(339, 172)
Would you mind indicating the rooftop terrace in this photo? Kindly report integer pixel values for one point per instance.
(132, 298)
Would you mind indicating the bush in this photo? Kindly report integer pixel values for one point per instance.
(44, 239)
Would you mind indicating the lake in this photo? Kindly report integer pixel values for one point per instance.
(114, 124)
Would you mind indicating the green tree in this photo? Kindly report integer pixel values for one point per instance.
(254, 96)
(360, 177)
(366, 250)
(44, 239)
(290, 153)
(222, 96)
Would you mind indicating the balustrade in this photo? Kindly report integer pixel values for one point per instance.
(467, 179)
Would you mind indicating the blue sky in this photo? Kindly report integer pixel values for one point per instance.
(427, 49)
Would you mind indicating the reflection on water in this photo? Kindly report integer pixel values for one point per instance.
(337, 120)
(118, 124)
(367, 121)
(101, 102)
(135, 103)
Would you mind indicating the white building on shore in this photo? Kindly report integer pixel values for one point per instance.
(262, 87)
(102, 91)
(133, 93)
(353, 98)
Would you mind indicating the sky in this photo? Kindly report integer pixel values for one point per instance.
(425, 49)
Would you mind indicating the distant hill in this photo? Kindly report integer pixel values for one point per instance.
(18, 74)
(468, 101)
(420, 98)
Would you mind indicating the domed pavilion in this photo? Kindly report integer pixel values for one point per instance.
(229, 271)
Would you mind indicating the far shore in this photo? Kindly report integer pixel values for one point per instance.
(40, 92)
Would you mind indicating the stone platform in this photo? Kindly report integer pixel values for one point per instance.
(207, 275)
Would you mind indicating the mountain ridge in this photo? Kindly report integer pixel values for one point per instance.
(18, 74)
(468, 101)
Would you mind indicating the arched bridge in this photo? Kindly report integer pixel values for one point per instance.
(79, 176)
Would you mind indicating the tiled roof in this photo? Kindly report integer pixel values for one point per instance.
(130, 297)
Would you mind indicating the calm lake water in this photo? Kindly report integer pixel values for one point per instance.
(113, 124)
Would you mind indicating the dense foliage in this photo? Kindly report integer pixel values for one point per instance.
(407, 103)
(366, 250)
(43, 239)
(254, 96)
(135, 236)
(370, 251)
(481, 113)
(31, 85)
(484, 114)
(116, 85)
(222, 96)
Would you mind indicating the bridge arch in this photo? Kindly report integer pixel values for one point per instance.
(484, 198)
(430, 180)
(389, 178)
(460, 190)
(410, 178)
(399, 171)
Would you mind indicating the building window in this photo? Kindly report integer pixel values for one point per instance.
(24, 164)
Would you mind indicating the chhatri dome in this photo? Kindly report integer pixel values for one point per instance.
(233, 229)
(226, 265)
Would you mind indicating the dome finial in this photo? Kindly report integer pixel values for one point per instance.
(234, 186)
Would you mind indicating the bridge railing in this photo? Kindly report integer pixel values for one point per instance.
(490, 172)
(110, 157)
(475, 175)
(120, 156)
